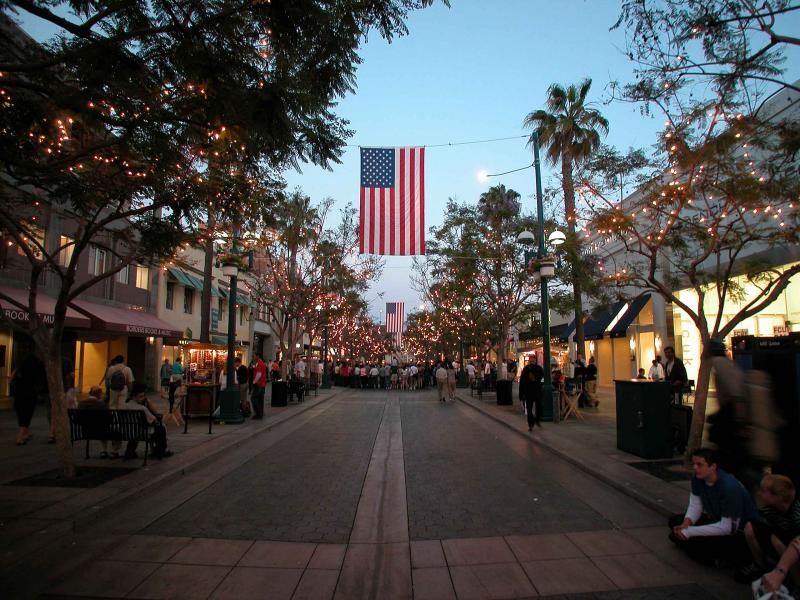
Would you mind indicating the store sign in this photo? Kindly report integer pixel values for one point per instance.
(741, 332)
(154, 331)
(23, 316)
(779, 330)
(214, 319)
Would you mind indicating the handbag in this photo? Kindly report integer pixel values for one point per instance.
(760, 594)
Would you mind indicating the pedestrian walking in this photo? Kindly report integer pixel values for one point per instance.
(164, 375)
(441, 381)
(175, 381)
(451, 380)
(259, 387)
(675, 374)
(26, 388)
(119, 382)
(590, 383)
(244, 392)
(530, 391)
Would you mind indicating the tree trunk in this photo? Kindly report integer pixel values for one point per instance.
(501, 348)
(205, 301)
(58, 414)
(574, 258)
(700, 402)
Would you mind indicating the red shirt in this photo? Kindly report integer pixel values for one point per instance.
(260, 368)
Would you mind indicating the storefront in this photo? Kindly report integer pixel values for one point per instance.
(624, 337)
(778, 319)
(15, 345)
(117, 331)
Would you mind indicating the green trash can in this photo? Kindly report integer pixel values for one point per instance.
(644, 418)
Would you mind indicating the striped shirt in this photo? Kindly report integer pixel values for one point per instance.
(785, 525)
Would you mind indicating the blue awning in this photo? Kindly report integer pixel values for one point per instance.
(597, 322)
(620, 328)
(564, 334)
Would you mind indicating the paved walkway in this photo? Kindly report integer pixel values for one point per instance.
(364, 495)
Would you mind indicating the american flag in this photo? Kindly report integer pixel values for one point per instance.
(392, 201)
(394, 321)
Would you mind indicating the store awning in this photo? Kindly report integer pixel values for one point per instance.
(241, 299)
(125, 321)
(620, 328)
(564, 334)
(191, 281)
(45, 307)
(597, 322)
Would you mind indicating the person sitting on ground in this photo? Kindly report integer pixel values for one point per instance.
(94, 401)
(138, 401)
(789, 563)
(769, 536)
(719, 508)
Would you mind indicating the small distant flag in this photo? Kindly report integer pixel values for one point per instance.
(392, 220)
(394, 321)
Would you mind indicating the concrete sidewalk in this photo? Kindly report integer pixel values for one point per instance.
(590, 444)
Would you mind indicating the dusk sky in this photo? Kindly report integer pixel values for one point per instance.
(473, 72)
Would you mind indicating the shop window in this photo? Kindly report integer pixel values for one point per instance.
(123, 275)
(188, 300)
(170, 295)
(221, 307)
(142, 277)
(241, 315)
(98, 258)
(66, 245)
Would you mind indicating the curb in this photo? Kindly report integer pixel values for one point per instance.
(650, 502)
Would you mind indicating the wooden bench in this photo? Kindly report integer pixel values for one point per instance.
(113, 425)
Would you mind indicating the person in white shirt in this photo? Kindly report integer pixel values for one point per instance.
(471, 373)
(656, 371)
(300, 368)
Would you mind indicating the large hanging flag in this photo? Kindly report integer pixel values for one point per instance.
(392, 201)
(394, 321)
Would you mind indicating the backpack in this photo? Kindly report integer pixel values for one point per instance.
(117, 381)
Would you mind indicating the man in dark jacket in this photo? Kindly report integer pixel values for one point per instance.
(530, 391)
(675, 374)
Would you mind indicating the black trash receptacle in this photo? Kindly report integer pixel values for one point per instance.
(644, 418)
(279, 390)
(504, 392)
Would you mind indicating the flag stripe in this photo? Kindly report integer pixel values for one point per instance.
(420, 208)
(361, 223)
(403, 216)
(411, 197)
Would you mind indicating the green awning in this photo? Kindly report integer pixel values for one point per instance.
(241, 299)
(182, 277)
(221, 340)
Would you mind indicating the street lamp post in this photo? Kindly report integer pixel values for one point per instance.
(544, 270)
(230, 410)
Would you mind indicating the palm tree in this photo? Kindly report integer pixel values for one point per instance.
(569, 131)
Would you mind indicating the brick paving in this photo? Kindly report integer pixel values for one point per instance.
(304, 488)
(464, 482)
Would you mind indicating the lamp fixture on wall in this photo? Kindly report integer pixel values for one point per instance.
(632, 344)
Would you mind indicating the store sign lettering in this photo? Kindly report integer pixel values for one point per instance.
(148, 330)
(15, 314)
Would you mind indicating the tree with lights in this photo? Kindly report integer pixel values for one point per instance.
(719, 212)
(569, 131)
(474, 256)
(114, 124)
(302, 265)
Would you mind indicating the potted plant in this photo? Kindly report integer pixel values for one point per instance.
(232, 264)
